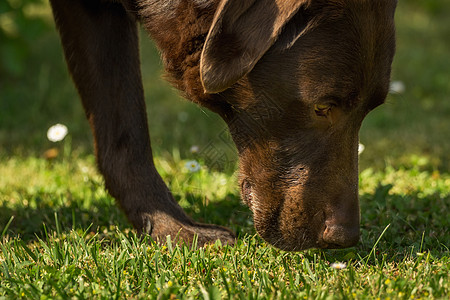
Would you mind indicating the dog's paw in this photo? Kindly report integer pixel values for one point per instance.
(186, 232)
(209, 234)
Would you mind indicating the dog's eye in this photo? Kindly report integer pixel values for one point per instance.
(322, 110)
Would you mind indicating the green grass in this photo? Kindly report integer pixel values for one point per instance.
(68, 239)
(62, 236)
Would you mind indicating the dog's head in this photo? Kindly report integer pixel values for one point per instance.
(300, 76)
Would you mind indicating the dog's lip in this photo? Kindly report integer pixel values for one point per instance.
(247, 192)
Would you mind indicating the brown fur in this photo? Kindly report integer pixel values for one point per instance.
(264, 66)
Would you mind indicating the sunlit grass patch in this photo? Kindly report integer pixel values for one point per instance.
(69, 239)
(63, 236)
(80, 265)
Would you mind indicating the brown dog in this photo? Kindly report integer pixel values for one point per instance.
(293, 79)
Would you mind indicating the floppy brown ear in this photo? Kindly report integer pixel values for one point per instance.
(241, 32)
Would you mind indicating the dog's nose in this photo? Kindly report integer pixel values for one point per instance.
(340, 235)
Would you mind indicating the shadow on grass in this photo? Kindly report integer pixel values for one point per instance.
(405, 225)
(416, 223)
(228, 212)
(32, 221)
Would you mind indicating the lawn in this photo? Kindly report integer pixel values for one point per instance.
(62, 236)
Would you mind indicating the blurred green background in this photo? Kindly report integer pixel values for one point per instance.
(412, 129)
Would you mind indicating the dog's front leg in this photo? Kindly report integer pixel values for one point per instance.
(100, 41)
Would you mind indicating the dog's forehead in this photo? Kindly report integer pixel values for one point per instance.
(382, 6)
(348, 51)
(366, 24)
(374, 30)
(345, 52)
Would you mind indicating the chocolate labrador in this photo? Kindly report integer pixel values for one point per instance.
(320, 65)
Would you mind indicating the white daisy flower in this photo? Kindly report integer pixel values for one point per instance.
(57, 132)
(338, 265)
(361, 148)
(397, 87)
(192, 166)
(194, 149)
